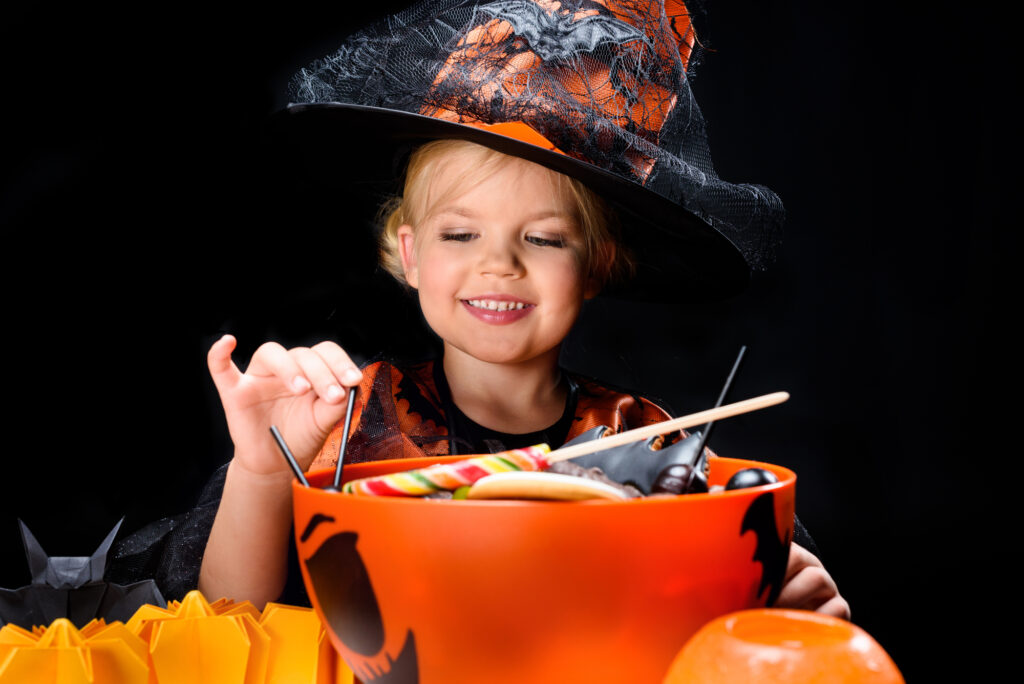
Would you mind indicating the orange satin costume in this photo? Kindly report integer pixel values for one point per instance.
(403, 413)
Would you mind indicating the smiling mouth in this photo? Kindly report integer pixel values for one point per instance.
(495, 305)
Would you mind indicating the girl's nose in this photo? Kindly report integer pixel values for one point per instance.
(500, 260)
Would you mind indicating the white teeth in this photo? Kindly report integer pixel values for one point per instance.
(495, 305)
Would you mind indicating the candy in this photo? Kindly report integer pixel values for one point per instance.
(751, 477)
(548, 486)
(450, 475)
(680, 478)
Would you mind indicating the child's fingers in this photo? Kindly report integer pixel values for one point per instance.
(325, 368)
(271, 359)
(808, 589)
(222, 369)
(808, 586)
(836, 607)
(323, 378)
(800, 558)
(343, 367)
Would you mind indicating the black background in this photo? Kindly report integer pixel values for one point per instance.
(140, 221)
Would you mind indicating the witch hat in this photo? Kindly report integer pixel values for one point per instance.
(595, 89)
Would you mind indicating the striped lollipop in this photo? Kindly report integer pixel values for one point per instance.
(450, 476)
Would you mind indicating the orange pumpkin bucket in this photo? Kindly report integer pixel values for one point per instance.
(776, 646)
(449, 591)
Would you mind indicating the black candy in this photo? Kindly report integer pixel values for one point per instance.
(680, 478)
(751, 477)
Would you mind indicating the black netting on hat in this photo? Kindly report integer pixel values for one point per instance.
(604, 81)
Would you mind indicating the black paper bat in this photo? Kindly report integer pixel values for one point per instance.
(72, 587)
(771, 551)
(559, 35)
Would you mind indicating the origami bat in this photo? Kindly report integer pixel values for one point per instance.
(72, 587)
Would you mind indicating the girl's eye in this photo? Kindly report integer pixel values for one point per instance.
(546, 241)
(456, 237)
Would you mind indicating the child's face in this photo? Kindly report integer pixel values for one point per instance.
(497, 266)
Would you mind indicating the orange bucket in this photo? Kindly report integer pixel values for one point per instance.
(450, 591)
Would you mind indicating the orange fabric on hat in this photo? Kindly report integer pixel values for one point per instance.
(519, 131)
(495, 58)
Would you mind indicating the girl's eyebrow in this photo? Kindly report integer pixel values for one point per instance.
(550, 213)
(466, 212)
(455, 211)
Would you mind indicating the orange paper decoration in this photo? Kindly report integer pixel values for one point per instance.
(300, 650)
(205, 642)
(194, 641)
(62, 654)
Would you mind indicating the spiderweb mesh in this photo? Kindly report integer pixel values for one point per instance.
(383, 431)
(605, 81)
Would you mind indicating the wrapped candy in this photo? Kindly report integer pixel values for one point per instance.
(450, 476)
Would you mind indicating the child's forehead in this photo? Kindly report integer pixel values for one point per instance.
(462, 174)
(530, 214)
(479, 163)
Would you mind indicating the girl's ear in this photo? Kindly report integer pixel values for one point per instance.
(600, 269)
(407, 252)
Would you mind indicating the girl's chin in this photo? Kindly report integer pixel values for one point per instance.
(501, 356)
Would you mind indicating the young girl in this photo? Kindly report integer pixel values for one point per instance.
(501, 252)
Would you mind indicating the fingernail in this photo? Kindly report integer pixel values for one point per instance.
(300, 384)
(352, 376)
(335, 393)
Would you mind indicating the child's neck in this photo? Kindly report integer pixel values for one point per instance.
(512, 398)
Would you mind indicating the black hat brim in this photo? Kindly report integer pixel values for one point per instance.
(678, 256)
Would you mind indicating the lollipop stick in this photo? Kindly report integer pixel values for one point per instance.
(344, 436)
(728, 382)
(706, 430)
(288, 455)
(681, 423)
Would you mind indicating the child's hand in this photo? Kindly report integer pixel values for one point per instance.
(301, 391)
(808, 586)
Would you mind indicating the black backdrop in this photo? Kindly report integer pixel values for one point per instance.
(140, 221)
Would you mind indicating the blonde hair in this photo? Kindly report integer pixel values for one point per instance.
(603, 258)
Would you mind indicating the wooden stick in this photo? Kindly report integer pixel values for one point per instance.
(667, 426)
